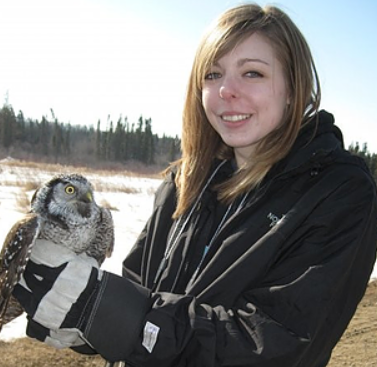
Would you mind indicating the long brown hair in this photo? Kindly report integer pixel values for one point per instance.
(201, 143)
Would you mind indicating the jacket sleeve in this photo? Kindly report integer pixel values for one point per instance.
(293, 317)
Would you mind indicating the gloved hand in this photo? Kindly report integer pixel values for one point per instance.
(57, 291)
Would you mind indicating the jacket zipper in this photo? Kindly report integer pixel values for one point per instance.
(179, 228)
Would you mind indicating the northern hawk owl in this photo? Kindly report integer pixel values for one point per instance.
(63, 210)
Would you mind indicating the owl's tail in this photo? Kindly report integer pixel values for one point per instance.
(9, 310)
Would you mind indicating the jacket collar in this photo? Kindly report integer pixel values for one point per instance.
(319, 137)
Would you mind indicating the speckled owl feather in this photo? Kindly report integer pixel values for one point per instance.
(64, 211)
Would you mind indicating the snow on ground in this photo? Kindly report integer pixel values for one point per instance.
(131, 211)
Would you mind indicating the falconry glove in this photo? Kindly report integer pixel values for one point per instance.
(57, 291)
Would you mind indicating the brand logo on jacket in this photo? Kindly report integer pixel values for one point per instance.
(150, 336)
(274, 219)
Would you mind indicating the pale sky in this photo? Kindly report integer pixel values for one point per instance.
(87, 59)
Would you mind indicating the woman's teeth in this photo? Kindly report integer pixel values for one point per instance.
(235, 118)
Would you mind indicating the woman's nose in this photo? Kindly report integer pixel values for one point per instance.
(228, 89)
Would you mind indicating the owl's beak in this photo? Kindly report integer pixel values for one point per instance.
(86, 197)
(89, 196)
(83, 202)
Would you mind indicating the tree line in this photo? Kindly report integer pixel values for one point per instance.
(50, 140)
(370, 158)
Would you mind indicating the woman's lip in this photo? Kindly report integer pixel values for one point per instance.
(235, 117)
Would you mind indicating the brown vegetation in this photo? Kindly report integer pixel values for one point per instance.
(23, 202)
(132, 169)
(358, 346)
(30, 353)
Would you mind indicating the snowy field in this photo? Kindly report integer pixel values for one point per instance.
(131, 198)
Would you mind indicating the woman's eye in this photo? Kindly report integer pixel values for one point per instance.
(70, 190)
(253, 74)
(212, 76)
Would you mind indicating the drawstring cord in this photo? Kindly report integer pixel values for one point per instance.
(219, 227)
(173, 240)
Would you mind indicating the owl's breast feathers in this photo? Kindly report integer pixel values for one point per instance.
(93, 236)
(102, 243)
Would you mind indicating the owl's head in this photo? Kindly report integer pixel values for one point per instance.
(67, 197)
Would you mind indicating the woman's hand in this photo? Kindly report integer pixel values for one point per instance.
(57, 291)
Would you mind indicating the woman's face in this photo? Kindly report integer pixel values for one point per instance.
(245, 95)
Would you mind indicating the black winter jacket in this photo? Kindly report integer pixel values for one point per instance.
(279, 284)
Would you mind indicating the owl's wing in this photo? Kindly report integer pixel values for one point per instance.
(103, 243)
(13, 259)
(107, 219)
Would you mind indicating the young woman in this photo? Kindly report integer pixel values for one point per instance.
(262, 238)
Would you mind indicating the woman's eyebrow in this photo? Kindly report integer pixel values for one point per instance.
(242, 62)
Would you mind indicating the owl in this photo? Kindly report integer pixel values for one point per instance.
(63, 210)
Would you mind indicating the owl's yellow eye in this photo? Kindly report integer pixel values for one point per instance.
(70, 190)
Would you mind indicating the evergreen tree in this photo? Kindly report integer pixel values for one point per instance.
(8, 124)
(369, 158)
(139, 143)
(98, 148)
(67, 141)
(174, 147)
(109, 149)
(148, 144)
(57, 140)
(44, 137)
(118, 141)
(20, 127)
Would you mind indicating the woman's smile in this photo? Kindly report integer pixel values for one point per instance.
(232, 118)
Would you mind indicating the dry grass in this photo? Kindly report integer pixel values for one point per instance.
(102, 184)
(358, 346)
(22, 202)
(31, 185)
(109, 187)
(135, 170)
(105, 204)
(27, 186)
(26, 352)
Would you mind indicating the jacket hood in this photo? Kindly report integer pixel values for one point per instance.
(320, 136)
(320, 124)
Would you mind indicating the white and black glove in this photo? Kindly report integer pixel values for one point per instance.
(57, 291)
(71, 303)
